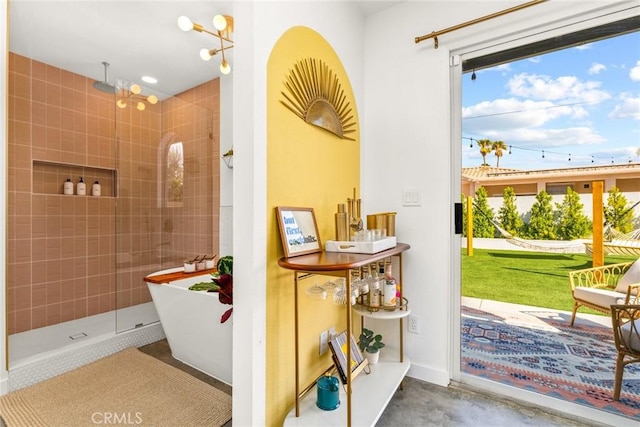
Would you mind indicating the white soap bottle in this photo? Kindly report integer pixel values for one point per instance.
(95, 189)
(81, 188)
(68, 187)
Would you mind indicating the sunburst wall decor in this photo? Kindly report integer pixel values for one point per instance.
(315, 94)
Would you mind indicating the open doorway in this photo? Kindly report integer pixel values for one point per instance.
(532, 121)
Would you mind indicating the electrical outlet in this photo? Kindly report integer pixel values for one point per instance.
(413, 324)
(324, 342)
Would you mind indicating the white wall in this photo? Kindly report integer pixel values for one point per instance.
(411, 141)
(4, 90)
(226, 174)
(258, 27)
(403, 94)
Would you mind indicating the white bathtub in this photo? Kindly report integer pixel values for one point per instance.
(191, 322)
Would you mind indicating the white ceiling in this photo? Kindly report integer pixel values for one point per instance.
(136, 37)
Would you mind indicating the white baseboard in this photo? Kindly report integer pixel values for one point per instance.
(430, 375)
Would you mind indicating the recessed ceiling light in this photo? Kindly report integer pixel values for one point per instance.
(149, 79)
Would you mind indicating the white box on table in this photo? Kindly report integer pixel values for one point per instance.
(360, 247)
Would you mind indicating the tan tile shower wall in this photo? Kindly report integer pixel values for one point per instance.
(73, 256)
(193, 118)
(61, 248)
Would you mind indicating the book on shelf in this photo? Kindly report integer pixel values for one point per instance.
(338, 346)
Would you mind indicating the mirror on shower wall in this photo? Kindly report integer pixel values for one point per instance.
(158, 164)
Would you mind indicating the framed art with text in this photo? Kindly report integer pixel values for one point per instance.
(298, 231)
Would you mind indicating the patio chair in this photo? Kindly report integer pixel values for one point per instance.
(601, 287)
(627, 339)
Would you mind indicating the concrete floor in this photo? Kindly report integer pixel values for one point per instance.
(424, 404)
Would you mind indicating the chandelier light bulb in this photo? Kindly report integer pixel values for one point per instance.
(121, 103)
(204, 54)
(185, 23)
(152, 99)
(135, 89)
(140, 106)
(225, 68)
(220, 22)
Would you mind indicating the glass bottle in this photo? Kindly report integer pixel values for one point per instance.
(389, 298)
(365, 286)
(374, 288)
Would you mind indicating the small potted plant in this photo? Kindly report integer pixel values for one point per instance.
(370, 344)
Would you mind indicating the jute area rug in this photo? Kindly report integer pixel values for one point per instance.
(126, 388)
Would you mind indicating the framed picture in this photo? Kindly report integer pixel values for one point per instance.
(338, 346)
(298, 231)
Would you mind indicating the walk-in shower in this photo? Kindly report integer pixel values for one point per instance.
(76, 262)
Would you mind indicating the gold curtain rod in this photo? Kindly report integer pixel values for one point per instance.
(434, 35)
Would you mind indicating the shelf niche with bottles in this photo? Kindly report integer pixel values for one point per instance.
(49, 178)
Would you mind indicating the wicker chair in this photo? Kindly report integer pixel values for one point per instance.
(601, 287)
(627, 338)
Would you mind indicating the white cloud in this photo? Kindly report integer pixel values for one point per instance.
(596, 68)
(535, 59)
(536, 138)
(513, 113)
(634, 74)
(564, 88)
(628, 108)
(586, 46)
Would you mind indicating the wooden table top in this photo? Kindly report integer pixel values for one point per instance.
(336, 261)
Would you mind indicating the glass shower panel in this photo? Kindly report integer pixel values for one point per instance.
(168, 188)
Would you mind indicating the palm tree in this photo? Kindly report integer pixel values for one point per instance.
(486, 146)
(498, 147)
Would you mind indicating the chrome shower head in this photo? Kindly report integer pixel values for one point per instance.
(105, 86)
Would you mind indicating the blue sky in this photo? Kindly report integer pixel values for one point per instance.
(581, 103)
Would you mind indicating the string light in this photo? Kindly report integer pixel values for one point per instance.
(545, 152)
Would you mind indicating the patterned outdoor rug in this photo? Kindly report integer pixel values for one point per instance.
(551, 357)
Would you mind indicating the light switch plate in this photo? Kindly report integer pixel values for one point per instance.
(411, 197)
(324, 342)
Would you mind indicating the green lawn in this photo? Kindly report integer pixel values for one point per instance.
(529, 278)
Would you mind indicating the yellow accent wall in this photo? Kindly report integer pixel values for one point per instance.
(306, 167)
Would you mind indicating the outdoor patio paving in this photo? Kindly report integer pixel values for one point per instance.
(524, 315)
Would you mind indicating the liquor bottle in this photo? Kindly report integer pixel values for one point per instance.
(389, 299)
(374, 288)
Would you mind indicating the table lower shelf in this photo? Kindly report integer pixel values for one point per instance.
(370, 395)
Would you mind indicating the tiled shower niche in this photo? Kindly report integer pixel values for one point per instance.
(49, 178)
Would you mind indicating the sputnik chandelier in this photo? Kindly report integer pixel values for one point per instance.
(224, 27)
(132, 94)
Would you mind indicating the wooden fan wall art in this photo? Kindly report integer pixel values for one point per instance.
(314, 93)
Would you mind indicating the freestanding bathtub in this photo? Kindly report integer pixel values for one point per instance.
(191, 323)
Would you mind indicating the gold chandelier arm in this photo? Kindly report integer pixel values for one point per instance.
(434, 35)
(222, 46)
(216, 34)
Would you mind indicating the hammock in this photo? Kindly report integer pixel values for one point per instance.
(621, 244)
(560, 246)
